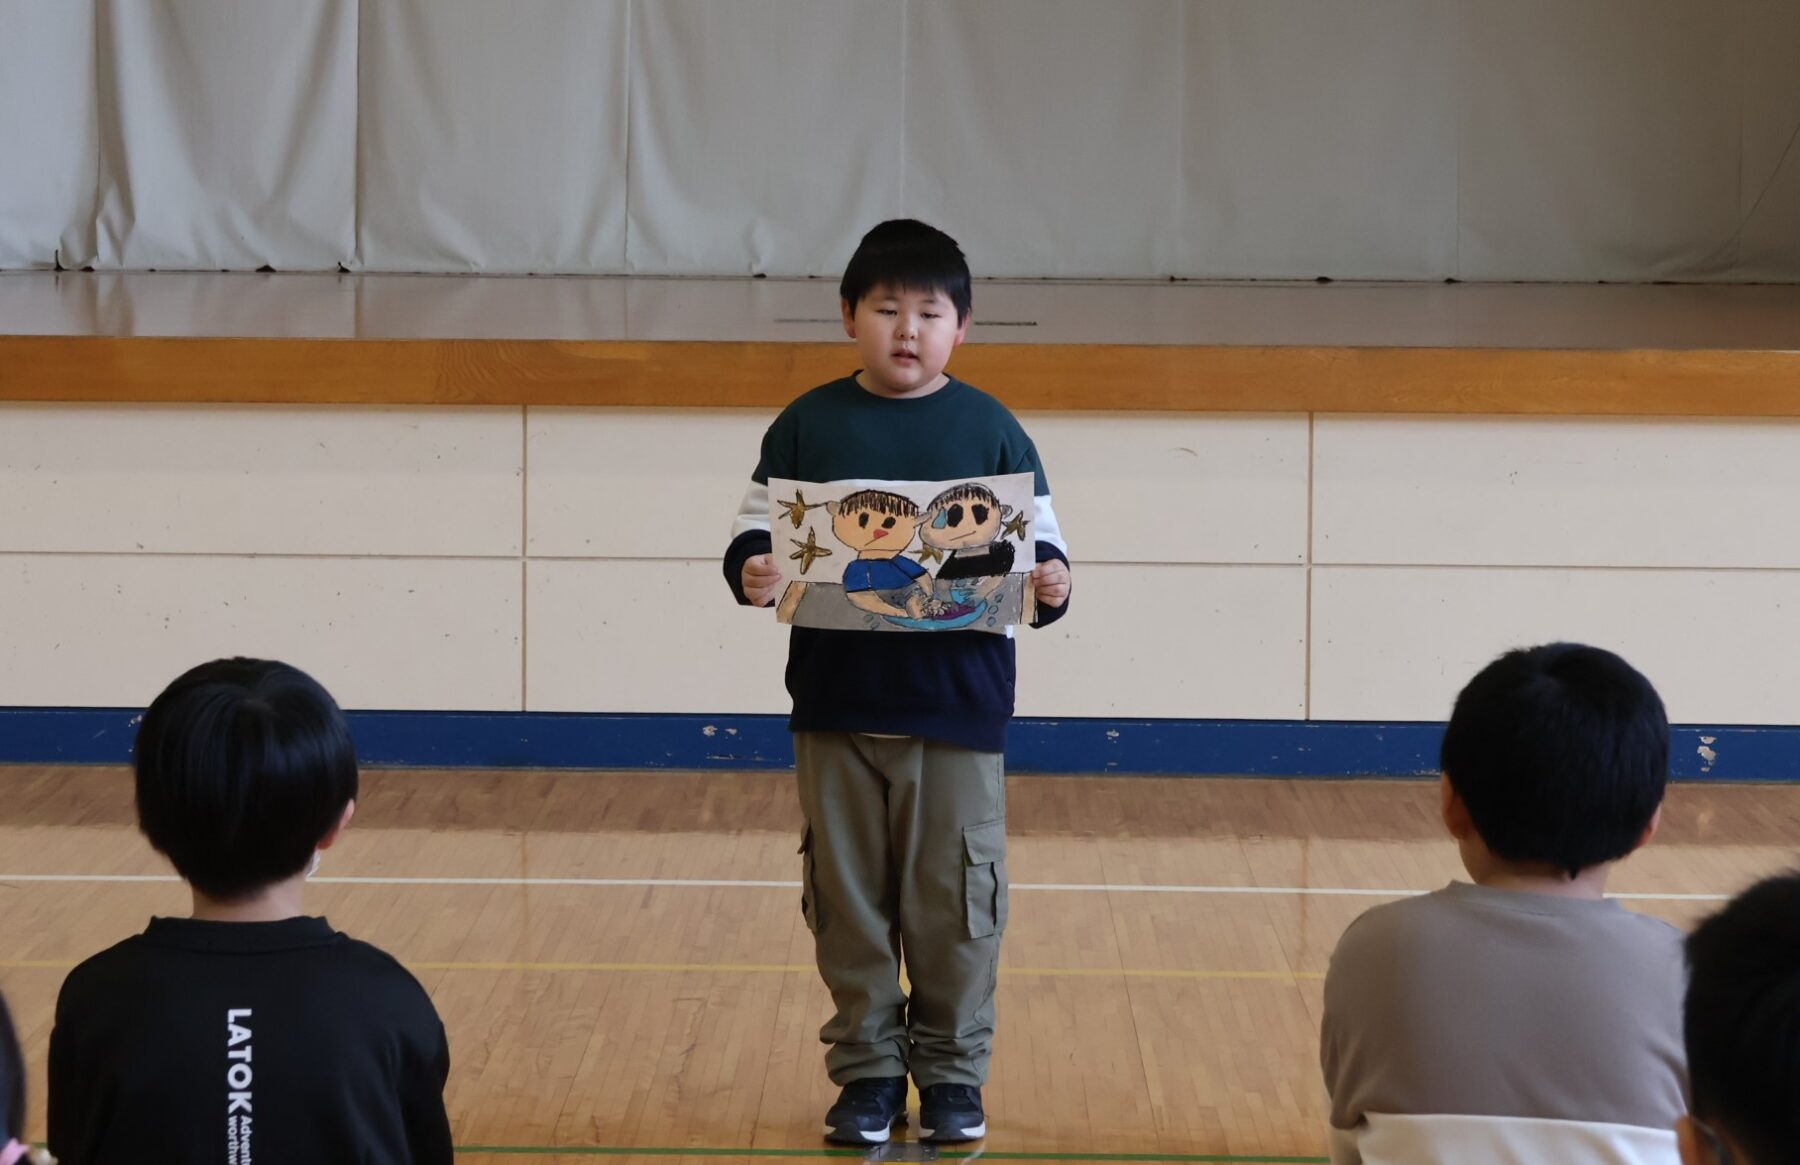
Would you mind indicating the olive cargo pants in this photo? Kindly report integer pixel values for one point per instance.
(904, 857)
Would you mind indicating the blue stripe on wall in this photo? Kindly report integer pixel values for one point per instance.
(1271, 748)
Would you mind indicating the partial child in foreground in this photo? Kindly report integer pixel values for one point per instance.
(13, 1149)
(1492, 1007)
(248, 1031)
(1742, 1025)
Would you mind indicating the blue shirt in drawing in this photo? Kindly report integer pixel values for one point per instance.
(881, 574)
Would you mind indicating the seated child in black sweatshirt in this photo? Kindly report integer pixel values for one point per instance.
(248, 1032)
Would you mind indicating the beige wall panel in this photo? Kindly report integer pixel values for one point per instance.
(260, 480)
(1320, 139)
(661, 636)
(638, 483)
(1556, 492)
(111, 630)
(1172, 641)
(735, 109)
(1185, 487)
(1399, 643)
(1042, 134)
(1600, 140)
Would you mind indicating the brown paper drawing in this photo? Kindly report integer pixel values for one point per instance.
(904, 555)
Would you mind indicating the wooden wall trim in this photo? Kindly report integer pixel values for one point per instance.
(685, 374)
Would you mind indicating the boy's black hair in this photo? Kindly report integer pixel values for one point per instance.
(242, 766)
(908, 254)
(1741, 1021)
(12, 1079)
(879, 501)
(969, 491)
(1560, 753)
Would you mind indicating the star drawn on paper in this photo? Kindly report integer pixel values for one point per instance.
(809, 550)
(796, 509)
(930, 554)
(1015, 528)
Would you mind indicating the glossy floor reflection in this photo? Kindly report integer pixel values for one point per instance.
(620, 960)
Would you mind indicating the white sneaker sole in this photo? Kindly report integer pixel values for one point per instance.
(869, 1138)
(969, 1134)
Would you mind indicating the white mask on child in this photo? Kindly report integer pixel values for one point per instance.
(318, 855)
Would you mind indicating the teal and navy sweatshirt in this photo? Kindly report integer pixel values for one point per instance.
(952, 686)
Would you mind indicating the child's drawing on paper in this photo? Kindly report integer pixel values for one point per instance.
(879, 526)
(962, 532)
(853, 564)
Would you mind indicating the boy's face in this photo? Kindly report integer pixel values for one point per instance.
(867, 530)
(960, 525)
(904, 338)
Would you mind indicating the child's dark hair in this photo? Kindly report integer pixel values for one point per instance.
(878, 501)
(1560, 753)
(243, 765)
(969, 491)
(908, 254)
(1742, 1018)
(12, 1079)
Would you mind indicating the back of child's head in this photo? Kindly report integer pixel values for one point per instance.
(907, 254)
(1742, 1019)
(1561, 755)
(243, 767)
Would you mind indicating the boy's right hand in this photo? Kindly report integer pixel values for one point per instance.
(761, 579)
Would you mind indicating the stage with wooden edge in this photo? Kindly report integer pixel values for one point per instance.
(1692, 350)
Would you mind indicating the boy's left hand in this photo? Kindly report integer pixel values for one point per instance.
(1051, 581)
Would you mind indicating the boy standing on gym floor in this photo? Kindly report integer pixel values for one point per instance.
(899, 738)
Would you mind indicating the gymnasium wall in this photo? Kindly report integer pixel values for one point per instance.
(1388, 139)
(1278, 567)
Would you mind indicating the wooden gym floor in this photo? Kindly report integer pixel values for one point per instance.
(620, 961)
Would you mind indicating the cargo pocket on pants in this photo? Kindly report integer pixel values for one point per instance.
(984, 878)
(809, 894)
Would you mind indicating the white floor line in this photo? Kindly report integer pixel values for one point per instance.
(761, 884)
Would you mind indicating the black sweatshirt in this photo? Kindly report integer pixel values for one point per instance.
(953, 686)
(246, 1043)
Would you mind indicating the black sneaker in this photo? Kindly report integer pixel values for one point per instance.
(867, 1111)
(951, 1112)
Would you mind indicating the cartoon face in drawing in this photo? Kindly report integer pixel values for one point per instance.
(875, 523)
(963, 517)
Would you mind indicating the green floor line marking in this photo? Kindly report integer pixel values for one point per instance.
(944, 1154)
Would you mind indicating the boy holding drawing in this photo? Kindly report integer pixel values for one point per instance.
(899, 738)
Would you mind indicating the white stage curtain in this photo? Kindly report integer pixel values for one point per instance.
(49, 138)
(1600, 140)
(227, 134)
(764, 136)
(1320, 139)
(493, 135)
(1044, 134)
(1766, 244)
(1282, 139)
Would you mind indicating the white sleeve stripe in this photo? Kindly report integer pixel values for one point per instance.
(753, 511)
(1045, 527)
